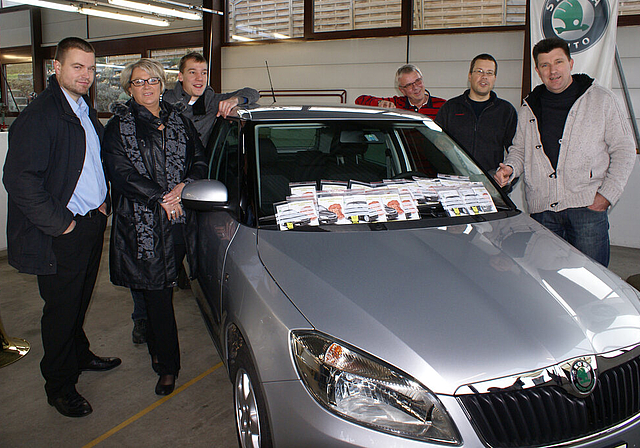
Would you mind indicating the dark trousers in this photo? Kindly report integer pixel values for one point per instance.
(66, 296)
(162, 331)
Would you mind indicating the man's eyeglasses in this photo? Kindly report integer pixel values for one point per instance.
(140, 82)
(481, 72)
(417, 83)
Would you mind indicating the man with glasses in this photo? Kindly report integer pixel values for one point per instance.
(409, 81)
(57, 216)
(482, 123)
(203, 104)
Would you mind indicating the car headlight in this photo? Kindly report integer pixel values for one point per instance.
(367, 391)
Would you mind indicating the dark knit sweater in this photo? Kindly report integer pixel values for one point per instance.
(485, 137)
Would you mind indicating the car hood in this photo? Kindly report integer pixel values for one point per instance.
(455, 305)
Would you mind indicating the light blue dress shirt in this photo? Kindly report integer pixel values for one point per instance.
(91, 189)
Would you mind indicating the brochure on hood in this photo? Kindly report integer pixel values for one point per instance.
(296, 212)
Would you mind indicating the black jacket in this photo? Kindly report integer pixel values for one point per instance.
(46, 153)
(487, 137)
(129, 187)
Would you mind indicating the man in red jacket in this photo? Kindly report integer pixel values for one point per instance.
(409, 81)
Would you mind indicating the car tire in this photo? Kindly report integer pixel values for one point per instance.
(252, 424)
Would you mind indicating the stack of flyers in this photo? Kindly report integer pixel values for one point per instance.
(477, 199)
(333, 185)
(376, 206)
(296, 212)
(452, 201)
(357, 185)
(303, 189)
(391, 201)
(428, 189)
(330, 208)
(451, 179)
(356, 209)
(402, 184)
(408, 202)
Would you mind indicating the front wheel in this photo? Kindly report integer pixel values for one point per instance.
(251, 415)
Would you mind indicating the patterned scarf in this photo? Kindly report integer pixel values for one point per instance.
(175, 138)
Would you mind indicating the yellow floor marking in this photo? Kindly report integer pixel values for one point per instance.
(151, 407)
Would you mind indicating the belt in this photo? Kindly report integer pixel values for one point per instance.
(90, 214)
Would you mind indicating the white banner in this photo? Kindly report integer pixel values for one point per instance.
(588, 26)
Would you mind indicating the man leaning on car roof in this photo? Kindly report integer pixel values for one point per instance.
(203, 104)
(417, 98)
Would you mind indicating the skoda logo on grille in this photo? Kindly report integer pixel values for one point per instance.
(583, 377)
(579, 22)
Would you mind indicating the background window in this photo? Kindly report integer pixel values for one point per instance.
(629, 7)
(20, 81)
(108, 69)
(434, 14)
(170, 60)
(265, 19)
(340, 15)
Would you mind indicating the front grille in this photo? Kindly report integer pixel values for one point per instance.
(547, 415)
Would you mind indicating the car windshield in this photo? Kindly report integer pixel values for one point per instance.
(350, 161)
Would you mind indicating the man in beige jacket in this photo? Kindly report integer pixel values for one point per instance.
(575, 151)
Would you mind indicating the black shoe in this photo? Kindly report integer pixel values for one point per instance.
(99, 364)
(71, 405)
(166, 384)
(139, 333)
(183, 279)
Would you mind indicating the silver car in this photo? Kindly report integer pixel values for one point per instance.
(455, 329)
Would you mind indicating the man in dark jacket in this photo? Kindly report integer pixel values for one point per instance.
(57, 215)
(482, 123)
(203, 104)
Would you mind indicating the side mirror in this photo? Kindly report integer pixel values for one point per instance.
(206, 195)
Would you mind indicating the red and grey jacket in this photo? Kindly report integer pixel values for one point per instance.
(430, 108)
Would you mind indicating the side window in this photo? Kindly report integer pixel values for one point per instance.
(224, 161)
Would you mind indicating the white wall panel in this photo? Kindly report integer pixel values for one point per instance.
(56, 25)
(15, 29)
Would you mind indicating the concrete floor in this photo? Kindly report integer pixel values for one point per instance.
(126, 412)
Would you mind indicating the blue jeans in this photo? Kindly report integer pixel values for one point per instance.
(139, 306)
(583, 228)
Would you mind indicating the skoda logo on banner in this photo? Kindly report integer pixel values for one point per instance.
(579, 22)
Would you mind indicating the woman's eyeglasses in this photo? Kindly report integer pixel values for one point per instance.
(140, 82)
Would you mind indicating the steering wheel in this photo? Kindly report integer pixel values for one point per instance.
(409, 175)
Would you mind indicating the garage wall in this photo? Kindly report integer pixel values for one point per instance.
(368, 65)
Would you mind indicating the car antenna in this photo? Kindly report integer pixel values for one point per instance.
(273, 93)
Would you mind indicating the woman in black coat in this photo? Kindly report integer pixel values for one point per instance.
(151, 152)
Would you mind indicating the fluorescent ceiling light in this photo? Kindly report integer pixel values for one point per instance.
(124, 17)
(280, 36)
(241, 38)
(146, 7)
(50, 5)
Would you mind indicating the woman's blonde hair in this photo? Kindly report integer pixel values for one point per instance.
(151, 66)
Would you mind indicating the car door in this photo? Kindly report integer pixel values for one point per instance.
(217, 228)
